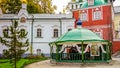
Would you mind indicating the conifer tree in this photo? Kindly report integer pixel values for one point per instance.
(16, 41)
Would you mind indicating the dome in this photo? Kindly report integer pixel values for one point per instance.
(80, 34)
(96, 3)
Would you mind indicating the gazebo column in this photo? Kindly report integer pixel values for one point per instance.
(57, 56)
(107, 50)
(51, 47)
(82, 52)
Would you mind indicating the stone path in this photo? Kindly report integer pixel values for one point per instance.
(46, 64)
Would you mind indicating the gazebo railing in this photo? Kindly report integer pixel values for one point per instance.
(76, 57)
(65, 57)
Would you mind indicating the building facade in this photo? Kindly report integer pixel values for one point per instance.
(96, 15)
(99, 16)
(116, 28)
(41, 28)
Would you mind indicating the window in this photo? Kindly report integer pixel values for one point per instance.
(90, 2)
(97, 15)
(69, 29)
(38, 51)
(22, 32)
(116, 34)
(83, 16)
(55, 33)
(39, 33)
(6, 31)
(72, 6)
(76, 6)
(99, 34)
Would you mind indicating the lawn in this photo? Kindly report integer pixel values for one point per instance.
(5, 63)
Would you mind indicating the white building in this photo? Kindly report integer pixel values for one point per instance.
(42, 28)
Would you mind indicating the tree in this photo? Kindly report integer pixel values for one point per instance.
(45, 6)
(16, 41)
(11, 6)
(33, 6)
(80, 0)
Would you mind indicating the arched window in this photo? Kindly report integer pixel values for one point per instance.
(22, 32)
(55, 33)
(39, 52)
(6, 31)
(72, 6)
(76, 6)
(39, 32)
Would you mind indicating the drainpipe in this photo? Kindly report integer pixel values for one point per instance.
(31, 51)
(60, 26)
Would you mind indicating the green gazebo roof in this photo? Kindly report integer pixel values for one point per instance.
(96, 3)
(80, 34)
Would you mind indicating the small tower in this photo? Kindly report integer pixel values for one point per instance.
(24, 4)
(79, 23)
(23, 11)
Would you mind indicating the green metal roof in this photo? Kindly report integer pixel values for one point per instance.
(96, 3)
(77, 35)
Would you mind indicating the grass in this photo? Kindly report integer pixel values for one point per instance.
(5, 63)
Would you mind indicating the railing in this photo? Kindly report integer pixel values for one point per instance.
(76, 57)
(64, 57)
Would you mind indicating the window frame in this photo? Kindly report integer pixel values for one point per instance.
(6, 30)
(91, 2)
(22, 31)
(55, 33)
(99, 34)
(84, 16)
(39, 33)
(72, 6)
(97, 15)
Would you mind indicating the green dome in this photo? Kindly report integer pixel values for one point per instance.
(96, 3)
(80, 34)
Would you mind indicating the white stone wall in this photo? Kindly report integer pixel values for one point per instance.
(47, 25)
(47, 22)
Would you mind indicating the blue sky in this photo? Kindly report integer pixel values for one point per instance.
(62, 3)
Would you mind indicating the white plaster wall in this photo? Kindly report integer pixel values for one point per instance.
(43, 46)
(47, 25)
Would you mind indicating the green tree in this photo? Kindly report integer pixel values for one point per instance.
(44, 6)
(11, 6)
(16, 41)
(33, 6)
(80, 0)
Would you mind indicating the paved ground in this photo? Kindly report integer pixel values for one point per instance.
(46, 64)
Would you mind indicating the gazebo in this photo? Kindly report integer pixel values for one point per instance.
(80, 45)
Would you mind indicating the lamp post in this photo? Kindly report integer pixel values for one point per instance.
(31, 51)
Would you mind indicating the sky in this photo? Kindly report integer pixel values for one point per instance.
(62, 3)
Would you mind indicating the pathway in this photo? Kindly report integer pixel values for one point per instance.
(46, 64)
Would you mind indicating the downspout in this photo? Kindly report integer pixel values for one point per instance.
(60, 26)
(31, 51)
